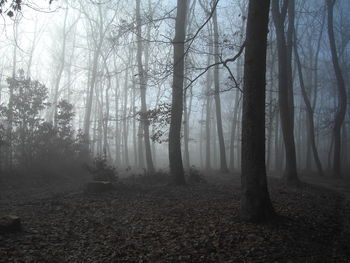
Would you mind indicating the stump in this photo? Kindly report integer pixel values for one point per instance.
(97, 187)
(9, 224)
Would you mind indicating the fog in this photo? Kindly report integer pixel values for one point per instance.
(68, 44)
(145, 88)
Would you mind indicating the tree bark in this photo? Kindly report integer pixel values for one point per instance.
(223, 162)
(309, 111)
(285, 90)
(53, 111)
(186, 132)
(143, 84)
(9, 128)
(207, 126)
(140, 144)
(175, 158)
(116, 139)
(125, 129)
(106, 117)
(233, 130)
(92, 83)
(255, 203)
(341, 110)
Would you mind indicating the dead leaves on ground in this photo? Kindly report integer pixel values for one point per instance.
(177, 224)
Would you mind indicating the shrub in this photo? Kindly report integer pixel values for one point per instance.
(194, 175)
(102, 171)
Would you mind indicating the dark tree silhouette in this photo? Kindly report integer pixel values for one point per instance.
(175, 158)
(309, 110)
(255, 204)
(285, 83)
(340, 115)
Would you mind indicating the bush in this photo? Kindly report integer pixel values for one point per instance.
(194, 176)
(102, 171)
(27, 141)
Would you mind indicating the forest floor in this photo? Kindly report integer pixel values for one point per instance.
(140, 222)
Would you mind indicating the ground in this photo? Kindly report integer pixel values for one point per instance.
(141, 222)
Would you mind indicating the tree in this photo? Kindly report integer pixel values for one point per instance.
(143, 85)
(214, 41)
(309, 109)
(28, 99)
(223, 163)
(175, 158)
(285, 83)
(340, 114)
(99, 28)
(255, 203)
(52, 113)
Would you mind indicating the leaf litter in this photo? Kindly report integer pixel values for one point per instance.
(162, 223)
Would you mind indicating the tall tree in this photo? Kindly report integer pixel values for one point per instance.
(340, 114)
(285, 83)
(188, 108)
(309, 110)
(208, 104)
(223, 162)
(255, 204)
(175, 158)
(55, 95)
(143, 83)
(9, 130)
(99, 28)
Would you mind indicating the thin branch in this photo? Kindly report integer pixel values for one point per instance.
(224, 63)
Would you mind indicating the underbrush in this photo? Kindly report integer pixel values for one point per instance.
(41, 175)
(101, 170)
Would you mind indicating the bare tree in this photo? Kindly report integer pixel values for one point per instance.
(285, 83)
(223, 162)
(341, 110)
(99, 28)
(310, 113)
(255, 204)
(143, 86)
(175, 158)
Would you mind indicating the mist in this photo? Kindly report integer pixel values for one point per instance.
(153, 111)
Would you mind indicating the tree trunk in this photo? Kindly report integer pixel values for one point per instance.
(106, 118)
(140, 144)
(93, 75)
(52, 115)
(285, 91)
(134, 131)
(341, 110)
(214, 142)
(209, 81)
(117, 140)
(143, 84)
(9, 131)
(99, 94)
(125, 130)
(255, 203)
(207, 128)
(187, 111)
(186, 133)
(201, 138)
(233, 130)
(223, 163)
(309, 111)
(175, 158)
(272, 107)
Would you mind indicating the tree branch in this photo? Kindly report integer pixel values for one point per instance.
(224, 63)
